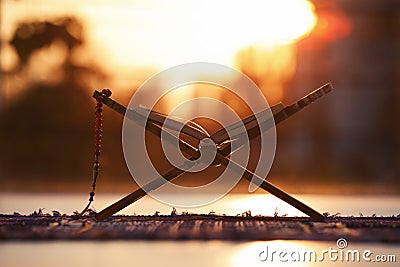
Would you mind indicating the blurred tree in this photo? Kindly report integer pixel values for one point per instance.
(47, 131)
(31, 36)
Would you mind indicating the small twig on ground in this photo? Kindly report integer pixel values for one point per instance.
(173, 212)
(276, 212)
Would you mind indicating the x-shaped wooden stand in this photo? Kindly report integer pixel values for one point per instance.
(225, 143)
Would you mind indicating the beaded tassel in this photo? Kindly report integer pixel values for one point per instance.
(98, 130)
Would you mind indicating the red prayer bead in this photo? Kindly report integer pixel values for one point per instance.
(107, 92)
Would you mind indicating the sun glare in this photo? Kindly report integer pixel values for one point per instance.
(165, 33)
(124, 36)
(161, 35)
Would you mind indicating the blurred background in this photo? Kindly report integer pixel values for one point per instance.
(55, 53)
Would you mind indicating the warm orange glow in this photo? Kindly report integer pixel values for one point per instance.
(149, 33)
(166, 35)
(332, 24)
(269, 67)
(158, 34)
(271, 59)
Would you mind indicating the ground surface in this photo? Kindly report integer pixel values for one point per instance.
(199, 227)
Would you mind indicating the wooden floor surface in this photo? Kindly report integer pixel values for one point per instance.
(199, 227)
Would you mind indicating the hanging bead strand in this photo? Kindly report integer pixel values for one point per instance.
(98, 131)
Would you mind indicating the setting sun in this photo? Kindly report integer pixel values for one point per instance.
(129, 37)
(159, 34)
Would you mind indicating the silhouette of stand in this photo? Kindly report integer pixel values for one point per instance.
(155, 122)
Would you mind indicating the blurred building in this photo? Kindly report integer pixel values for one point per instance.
(352, 135)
